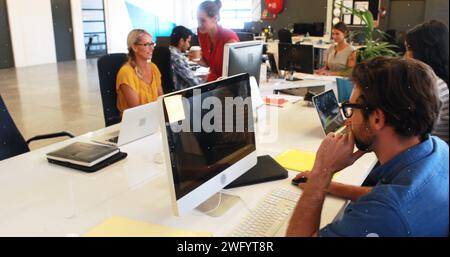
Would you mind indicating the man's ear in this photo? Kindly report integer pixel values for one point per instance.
(377, 119)
(180, 42)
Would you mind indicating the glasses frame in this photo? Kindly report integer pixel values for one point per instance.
(345, 106)
(152, 44)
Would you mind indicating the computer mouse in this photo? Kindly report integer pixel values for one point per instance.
(298, 181)
(158, 158)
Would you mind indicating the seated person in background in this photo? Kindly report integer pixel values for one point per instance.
(411, 194)
(342, 56)
(428, 42)
(139, 80)
(180, 40)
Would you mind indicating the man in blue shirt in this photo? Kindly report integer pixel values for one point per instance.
(391, 112)
(183, 76)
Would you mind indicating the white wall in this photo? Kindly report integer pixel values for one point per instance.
(118, 24)
(32, 35)
(77, 25)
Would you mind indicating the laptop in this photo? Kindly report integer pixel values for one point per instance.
(136, 123)
(330, 115)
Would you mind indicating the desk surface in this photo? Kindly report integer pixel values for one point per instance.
(40, 199)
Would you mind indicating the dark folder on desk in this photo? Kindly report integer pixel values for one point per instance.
(267, 169)
(111, 160)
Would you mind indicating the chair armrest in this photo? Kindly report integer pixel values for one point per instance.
(48, 136)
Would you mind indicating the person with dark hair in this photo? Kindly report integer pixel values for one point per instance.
(213, 37)
(183, 77)
(341, 56)
(411, 194)
(428, 42)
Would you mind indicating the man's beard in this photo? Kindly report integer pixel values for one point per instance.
(363, 145)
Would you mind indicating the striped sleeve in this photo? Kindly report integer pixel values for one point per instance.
(441, 126)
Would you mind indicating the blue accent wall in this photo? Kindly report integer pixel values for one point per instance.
(141, 18)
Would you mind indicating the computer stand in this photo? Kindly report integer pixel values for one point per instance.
(218, 204)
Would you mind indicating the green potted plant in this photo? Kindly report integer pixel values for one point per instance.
(373, 37)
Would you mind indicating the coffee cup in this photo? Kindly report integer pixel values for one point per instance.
(196, 53)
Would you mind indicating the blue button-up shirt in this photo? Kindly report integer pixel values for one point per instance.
(409, 199)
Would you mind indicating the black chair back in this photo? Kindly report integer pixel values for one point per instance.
(285, 36)
(12, 142)
(161, 58)
(108, 67)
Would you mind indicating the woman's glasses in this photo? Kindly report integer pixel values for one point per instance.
(149, 44)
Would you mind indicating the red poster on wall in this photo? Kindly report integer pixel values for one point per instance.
(274, 6)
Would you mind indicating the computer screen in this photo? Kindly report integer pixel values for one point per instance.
(299, 58)
(329, 113)
(243, 57)
(315, 29)
(208, 139)
(163, 41)
(254, 27)
(245, 36)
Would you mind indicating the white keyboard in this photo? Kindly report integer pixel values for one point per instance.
(269, 215)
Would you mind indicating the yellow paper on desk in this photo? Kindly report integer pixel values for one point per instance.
(296, 160)
(124, 227)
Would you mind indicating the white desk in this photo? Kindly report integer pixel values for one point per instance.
(39, 199)
(308, 81)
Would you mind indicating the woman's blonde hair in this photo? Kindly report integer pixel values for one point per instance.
(134, 37)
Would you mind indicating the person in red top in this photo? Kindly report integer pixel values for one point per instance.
(213, 37)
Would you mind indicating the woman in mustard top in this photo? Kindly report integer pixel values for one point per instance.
(139, 80)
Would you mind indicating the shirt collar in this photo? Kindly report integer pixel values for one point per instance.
(174, 49)
(387, 172)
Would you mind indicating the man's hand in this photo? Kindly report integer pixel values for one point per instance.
(336, 153)
(303, 174)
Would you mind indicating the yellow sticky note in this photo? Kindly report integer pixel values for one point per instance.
(296, 160)
(124, 227)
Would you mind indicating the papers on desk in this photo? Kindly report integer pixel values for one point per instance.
(124, 227)
(281, 100)
(317, 77)
(296, 160)
(202, 71)
(278, 102)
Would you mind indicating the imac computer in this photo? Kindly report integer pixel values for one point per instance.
(298, 58)
(316, 29)
(208, 140)
(243, 57)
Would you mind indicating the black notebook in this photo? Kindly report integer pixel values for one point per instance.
(111, 160)
(83, 154)
(267, 169)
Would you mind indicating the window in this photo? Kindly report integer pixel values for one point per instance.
(94, 28)
(233, 15)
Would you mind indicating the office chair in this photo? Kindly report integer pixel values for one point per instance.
(161, 57)
(285, 36)
(344, 87)
(12, 141)
(108, 67)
